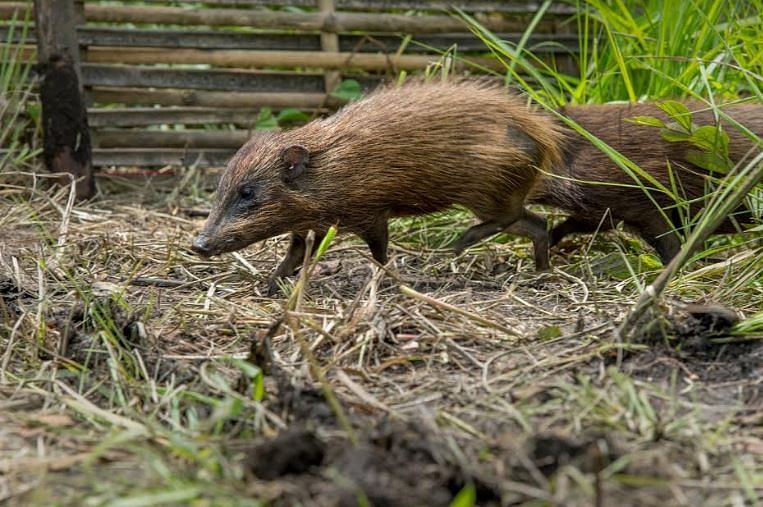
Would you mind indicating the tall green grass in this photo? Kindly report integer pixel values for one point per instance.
(657, 49)
(19, 113)
(651, 49)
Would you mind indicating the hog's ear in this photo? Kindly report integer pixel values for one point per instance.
(295, 159)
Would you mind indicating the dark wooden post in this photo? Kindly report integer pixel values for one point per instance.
(66, 135)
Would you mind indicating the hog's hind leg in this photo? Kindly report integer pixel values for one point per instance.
(574, 225)
(514, 220)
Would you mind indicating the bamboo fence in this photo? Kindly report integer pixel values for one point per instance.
(165, 80)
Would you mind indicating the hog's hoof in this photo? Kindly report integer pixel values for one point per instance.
(465, 241)
(459, 247)
(274, 287)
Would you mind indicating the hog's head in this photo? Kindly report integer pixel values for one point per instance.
(259, 196)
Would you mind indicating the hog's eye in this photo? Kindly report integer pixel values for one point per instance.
(246, 192)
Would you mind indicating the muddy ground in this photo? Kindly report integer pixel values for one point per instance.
(124, 377)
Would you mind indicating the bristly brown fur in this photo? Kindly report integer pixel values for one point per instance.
(589, 204)
(399, 151)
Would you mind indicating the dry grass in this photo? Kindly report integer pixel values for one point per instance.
(123, 377)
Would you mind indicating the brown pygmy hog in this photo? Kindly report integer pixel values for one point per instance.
(407, 150)
(601, 206)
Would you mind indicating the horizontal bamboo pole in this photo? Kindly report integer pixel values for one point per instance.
(145, 116)
(217, 139)
(509, 6)
(19, 9)
(282, 59)
(158, 157)
(564, 43)
(232, 80)
(325, 22)
(203, 98)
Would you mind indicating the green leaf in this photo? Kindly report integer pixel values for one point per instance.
(678, 112)
(709, 160)
(254, 374)
(467, 497)
(34, 110)
(266, 120)
(250, 370)
(711, 138)
(226, 409)
(259, 388)
(326, 243)
(291, 115)
(549, 332)
(674, 136)
(649, 262)
(181, 495)
(649, 121)
(349, 89)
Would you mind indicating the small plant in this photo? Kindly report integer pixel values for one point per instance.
(348, 90)
(711, 143)
(710, 147)
(266, 120)
(467, 497)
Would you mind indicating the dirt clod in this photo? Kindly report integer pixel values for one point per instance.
(393, 464)
(304, 403)
(11, 296)
(550, 452)
(703, 321)
(293, 452)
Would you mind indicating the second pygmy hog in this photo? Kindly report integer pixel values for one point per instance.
(598, 194)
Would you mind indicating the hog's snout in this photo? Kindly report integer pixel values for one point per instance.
(202, 246)
(207, 244)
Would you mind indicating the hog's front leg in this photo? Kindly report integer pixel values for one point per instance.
(376, 236)
(292, 261)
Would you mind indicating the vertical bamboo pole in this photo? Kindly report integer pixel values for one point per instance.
(65, 131)
(329, 43)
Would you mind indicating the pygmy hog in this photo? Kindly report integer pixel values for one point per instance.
(598, 194)
(407, 150)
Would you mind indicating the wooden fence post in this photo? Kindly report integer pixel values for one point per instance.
(66, 135)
